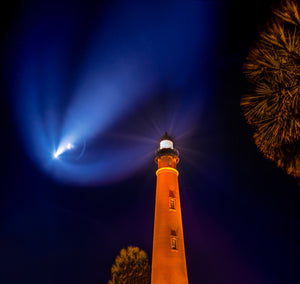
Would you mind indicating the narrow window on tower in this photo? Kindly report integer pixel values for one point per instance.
(173, 239)
(172, 200)
(173, 243)
(172, 204)
(170, 162)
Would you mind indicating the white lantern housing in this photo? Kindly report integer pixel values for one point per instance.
(166, 144)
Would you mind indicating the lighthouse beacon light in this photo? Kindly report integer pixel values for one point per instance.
(166, 144)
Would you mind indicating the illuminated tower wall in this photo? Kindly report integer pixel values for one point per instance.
(168, 255)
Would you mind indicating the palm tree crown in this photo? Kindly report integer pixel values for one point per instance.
(273, 107)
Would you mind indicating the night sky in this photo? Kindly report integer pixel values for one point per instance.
(117, 76)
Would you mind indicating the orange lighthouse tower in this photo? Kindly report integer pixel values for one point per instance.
(168, 255)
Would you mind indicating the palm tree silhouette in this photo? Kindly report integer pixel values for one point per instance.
(273, 106)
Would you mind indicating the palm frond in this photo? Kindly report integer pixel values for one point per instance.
(273, 107)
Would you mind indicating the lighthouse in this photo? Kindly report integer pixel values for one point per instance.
(168, 254)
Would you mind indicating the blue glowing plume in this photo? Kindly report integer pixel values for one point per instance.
(88, 82)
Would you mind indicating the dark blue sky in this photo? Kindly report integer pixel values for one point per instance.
(116, 76)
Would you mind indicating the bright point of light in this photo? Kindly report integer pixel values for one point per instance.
(70, 146)
(57, 153)
(61, 149)
(166, 144)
